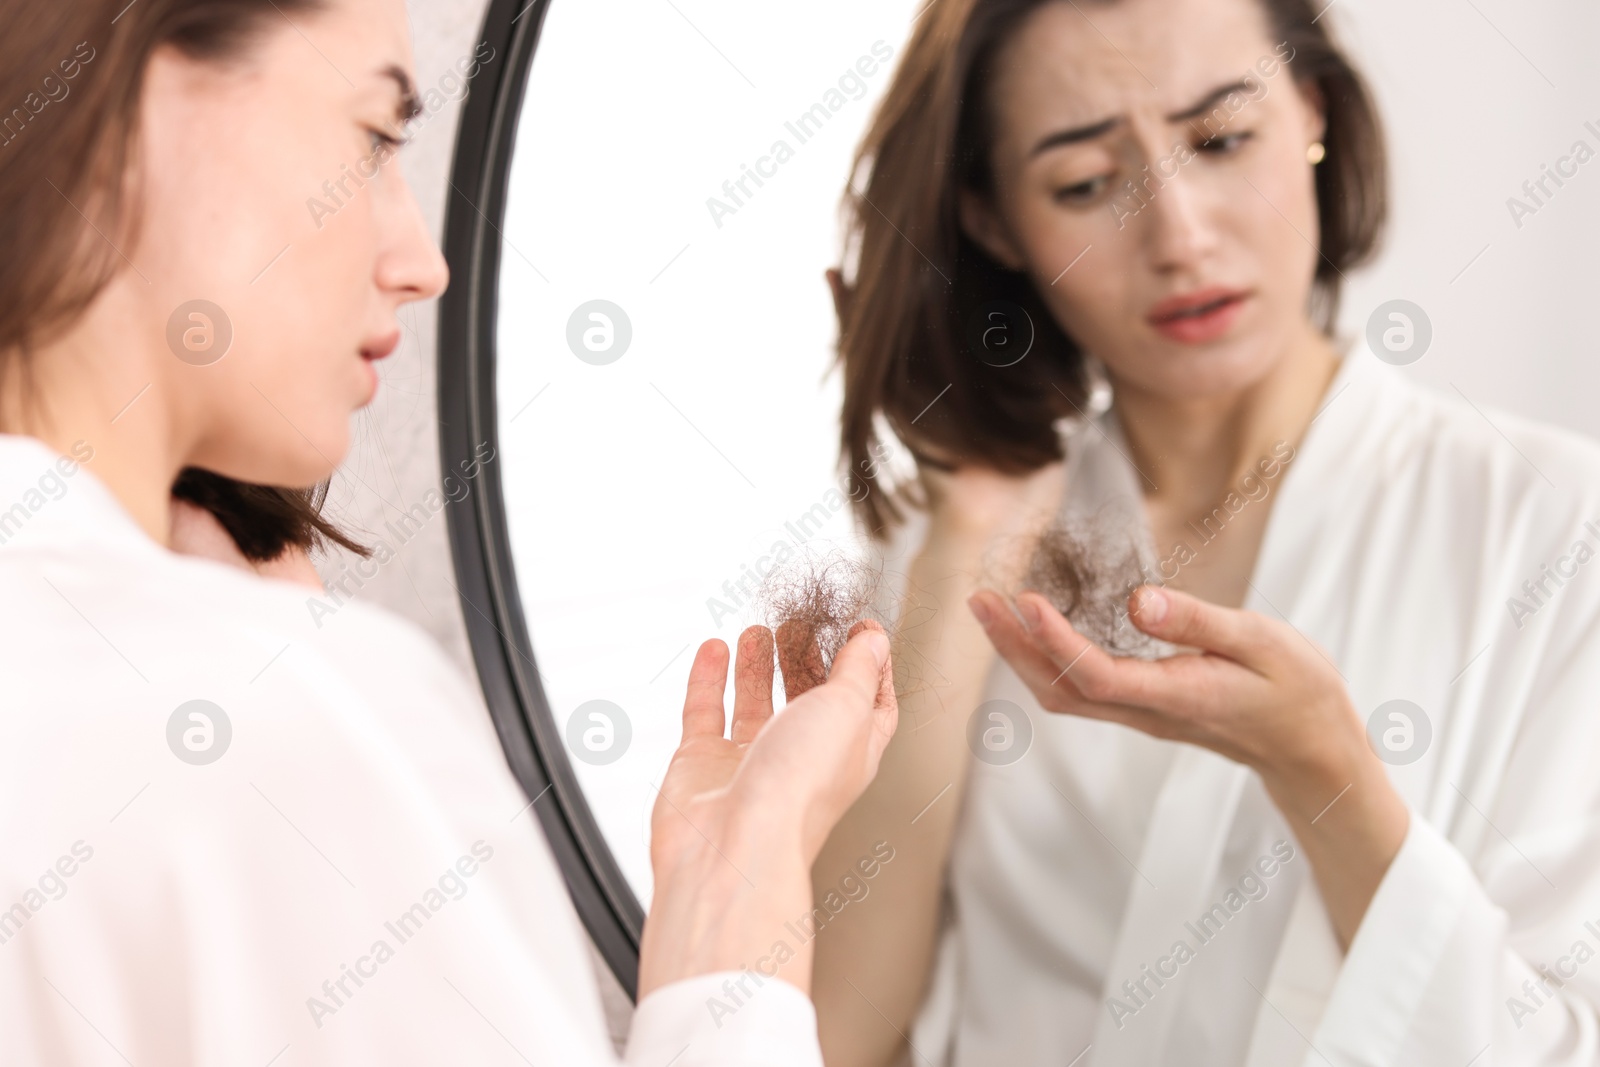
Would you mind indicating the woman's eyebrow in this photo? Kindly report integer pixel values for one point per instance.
(1074, 135)
(409, 105)
(1097, 129)
(1220, 93)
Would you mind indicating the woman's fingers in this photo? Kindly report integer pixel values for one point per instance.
(1204, 699)
(752, 684)
(886, 705)
(1182, 619)
(1033, 664)
(800, 658)
(702, 708)
(860, 665)
(1067, 671)
(1163, 685)
(863, 670)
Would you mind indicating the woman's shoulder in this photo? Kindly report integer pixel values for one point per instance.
(1480, 433)
(1467, 449)
(1498, 495)
(94, 625)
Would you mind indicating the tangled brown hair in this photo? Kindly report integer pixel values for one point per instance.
(920, 280)
(812, 604)
(70, 81)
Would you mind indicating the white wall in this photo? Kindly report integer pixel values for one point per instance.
(1478, 95)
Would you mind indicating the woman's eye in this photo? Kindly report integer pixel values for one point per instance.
(1224, 144)
(1081, 191)
(381, 140)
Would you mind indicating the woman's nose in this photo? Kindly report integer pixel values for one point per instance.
(412, 265)
(1178, 231)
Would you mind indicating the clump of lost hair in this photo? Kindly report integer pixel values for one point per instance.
(817, 600)
(1087, 568)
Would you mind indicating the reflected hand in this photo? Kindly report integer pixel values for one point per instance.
(1257, 691)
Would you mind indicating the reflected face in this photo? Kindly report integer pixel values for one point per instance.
(1151, 176)
(270, 190)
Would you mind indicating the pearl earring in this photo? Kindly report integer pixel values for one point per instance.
(1316, 153)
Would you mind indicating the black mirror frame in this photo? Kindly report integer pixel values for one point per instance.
(479, 542)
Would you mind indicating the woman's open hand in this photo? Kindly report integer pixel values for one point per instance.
(1257, 691)
(797, 771)
(739, 820)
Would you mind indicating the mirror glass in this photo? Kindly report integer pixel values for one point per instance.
(664, 339)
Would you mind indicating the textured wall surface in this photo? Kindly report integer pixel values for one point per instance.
(394, 463)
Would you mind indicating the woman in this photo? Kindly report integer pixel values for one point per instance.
(1358, 825)
(232, 832)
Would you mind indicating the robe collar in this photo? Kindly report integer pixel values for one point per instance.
(1198, 801)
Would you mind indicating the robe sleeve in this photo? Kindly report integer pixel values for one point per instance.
(1482, 943)
(690, 1024)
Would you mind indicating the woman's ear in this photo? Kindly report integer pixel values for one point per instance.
(1316, 111)
(980, 222)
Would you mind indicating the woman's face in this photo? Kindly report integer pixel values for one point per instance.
(1224, 220)
(270, 192)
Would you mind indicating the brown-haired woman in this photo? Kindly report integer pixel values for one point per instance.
(1205, 860)
(239, 830)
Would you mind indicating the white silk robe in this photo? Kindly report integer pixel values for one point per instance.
(1441, 553)
(355, 879)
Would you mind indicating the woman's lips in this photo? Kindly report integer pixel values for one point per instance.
(371, 352)
(1198, 317)
(381, 347)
